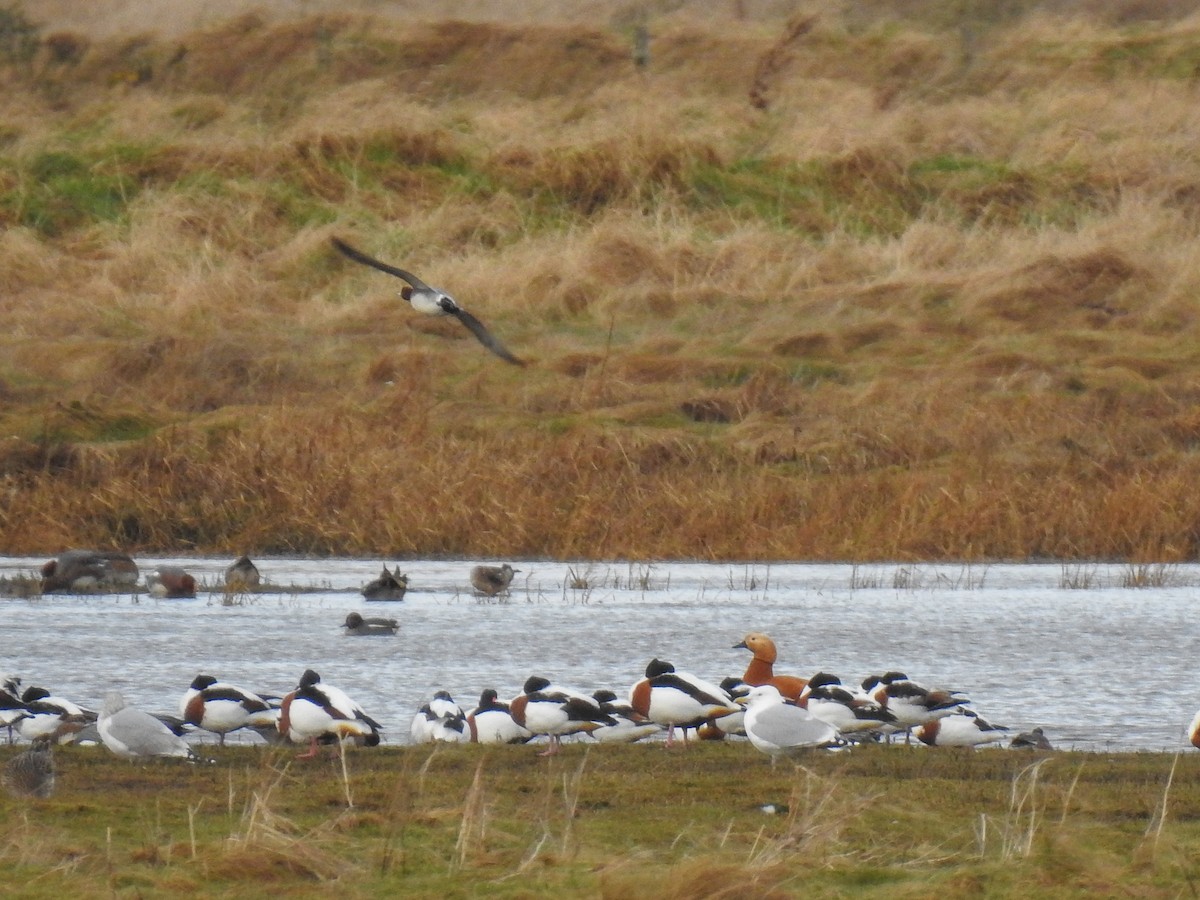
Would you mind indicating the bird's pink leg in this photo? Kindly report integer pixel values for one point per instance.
(312, 751)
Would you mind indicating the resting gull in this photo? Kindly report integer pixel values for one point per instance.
(133, 734)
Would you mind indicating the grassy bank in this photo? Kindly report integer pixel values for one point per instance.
(616, 821)
(838, 285)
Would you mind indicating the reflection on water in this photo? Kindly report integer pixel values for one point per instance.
(1099, 665)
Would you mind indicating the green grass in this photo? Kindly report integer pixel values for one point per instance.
(459, 821)
(58, 191)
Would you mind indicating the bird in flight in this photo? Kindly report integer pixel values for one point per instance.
(431, 300)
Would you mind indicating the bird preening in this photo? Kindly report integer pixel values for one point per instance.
(430, 300)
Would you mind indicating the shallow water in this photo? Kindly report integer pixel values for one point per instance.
(1099, 666)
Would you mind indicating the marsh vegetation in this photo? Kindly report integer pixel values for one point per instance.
(815, 283)
(886, 822)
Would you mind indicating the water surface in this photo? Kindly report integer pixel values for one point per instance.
(1099, 665)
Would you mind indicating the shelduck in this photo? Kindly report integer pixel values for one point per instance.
(440, 720)
(849, 711)
(317, 711)
(221, 707)
(676, 699)
(761, 668)
(965, 728)
(912, 704)
(51, 719)
(491, 722)
(629, 724)
(555, 711)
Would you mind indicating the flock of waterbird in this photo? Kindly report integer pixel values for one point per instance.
(781, 715)
(101, 571)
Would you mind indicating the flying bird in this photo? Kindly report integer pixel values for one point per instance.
(430, 300)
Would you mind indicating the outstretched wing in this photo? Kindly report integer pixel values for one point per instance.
(473, 324)
(485, 336)
(359, 257)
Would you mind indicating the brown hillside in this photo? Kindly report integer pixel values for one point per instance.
(811, 284)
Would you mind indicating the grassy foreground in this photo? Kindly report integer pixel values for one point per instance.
(613, 822)
(905, 281)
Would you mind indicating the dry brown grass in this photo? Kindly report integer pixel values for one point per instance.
(936, 300)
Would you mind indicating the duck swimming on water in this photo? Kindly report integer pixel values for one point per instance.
(362, 626)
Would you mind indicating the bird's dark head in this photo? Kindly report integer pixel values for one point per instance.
(535, 683)
(658, 667)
